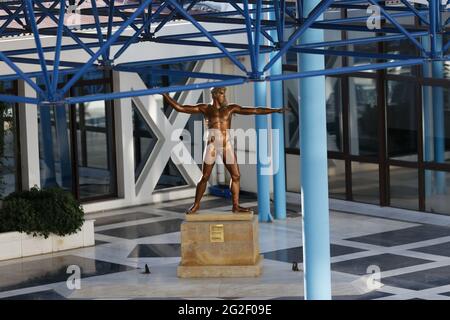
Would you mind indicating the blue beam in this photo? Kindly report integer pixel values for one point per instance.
(336, 71)
(57, 56)
(104, 48)
(37, 41)
(48, 178)
(66, 30)
(279, 177)
(17, 99)
(98, 26)
(207, 34)
(398, 26)
(20, 73)
(314, 14)
(261, 126)
(437, 68)
(11, 18)
(147, 92)
(427, 121)
(62, 140)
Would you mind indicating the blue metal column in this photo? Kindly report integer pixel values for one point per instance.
(261, 127)
(276, 99)
(314, 170)
(261, 153)
(427, 121)
(47, 147)
(62, 138)
(438, 119)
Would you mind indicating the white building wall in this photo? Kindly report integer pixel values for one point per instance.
(142, 192)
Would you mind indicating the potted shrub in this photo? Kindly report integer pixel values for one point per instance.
(47, 219)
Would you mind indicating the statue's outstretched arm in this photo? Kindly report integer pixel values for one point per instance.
(243, 110)
(200, 108)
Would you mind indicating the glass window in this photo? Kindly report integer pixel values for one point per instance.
(371, 47)
(402, 121)
(9, 178)
(159, 76)
(144, 141)
(336, 178)
(363, 117)
(96, 165)
(171, 177)
(365, 182)
(55, 150)
(437, 192)
(334, 114)
(76, 142)
(401, 47)
(436, 124)
(404, 190)
(291, 115)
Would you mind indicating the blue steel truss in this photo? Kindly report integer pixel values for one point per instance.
(147, 19)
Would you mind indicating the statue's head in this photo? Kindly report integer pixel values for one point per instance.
(218, 94)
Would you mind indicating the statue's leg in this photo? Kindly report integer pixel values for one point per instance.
(208, 165)
(230, 161)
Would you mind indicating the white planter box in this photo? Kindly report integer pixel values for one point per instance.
(10, 245)
(17, 245)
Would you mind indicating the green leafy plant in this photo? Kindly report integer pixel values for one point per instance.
(41, 212)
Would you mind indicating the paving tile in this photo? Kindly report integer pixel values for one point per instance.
(144, 230)
(404, 236)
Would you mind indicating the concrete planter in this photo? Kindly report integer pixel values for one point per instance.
(17, 245)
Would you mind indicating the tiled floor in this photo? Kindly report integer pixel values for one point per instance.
(413, 258)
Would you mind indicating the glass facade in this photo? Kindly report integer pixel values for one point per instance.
(388, 131)
(365, 182)
(362, 112)
(9, 143)
(76, 142)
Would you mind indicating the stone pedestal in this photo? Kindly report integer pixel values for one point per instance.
(220, 245)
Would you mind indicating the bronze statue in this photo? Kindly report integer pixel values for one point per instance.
(218, 120)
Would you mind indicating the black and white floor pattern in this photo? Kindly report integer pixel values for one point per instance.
(412, 255)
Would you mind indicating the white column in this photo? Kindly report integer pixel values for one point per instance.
(123, 121)
(29, 139)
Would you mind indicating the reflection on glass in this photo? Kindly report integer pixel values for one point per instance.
(171, 177)
(144, 141)
(363, 116)
(404, 191)
(158, 76)
(401, 47)
(82, 161)
(437, 191)
(365, 182)
(55, 150)
(8, 168)
(96, 168)
(336, 178)
(401, 121)
(368, 47)
(436, 124)
(291, 115)
(334, 114)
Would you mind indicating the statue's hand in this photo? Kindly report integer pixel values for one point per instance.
(281, 110)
